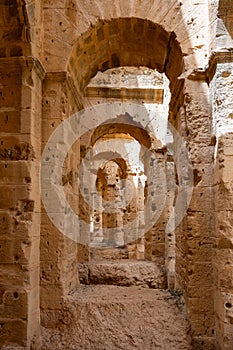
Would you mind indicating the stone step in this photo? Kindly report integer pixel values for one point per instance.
(123, 273)
(118, 318)
(108, 253)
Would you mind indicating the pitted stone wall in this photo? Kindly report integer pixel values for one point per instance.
(20, 201)
(49, 51)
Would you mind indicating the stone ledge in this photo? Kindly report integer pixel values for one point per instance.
(123, 273)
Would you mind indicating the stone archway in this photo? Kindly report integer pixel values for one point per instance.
(79, 39)
(178, 61)
(153, 93)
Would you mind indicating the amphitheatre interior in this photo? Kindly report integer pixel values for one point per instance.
(116, 174)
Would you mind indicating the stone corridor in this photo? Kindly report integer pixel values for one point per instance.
(116, 173)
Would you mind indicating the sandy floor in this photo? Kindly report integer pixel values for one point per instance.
(104, 317)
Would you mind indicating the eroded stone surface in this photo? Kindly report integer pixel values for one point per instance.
(120, 318)
(123, 273)
(49, 51)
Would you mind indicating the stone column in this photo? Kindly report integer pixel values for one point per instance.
(96, 212)
(170, 241)
(20, 148)
(140, 215)
(131, 219)
(156, 197)
(58, 252)
(194, 235)
(119, 235)
(223, 200)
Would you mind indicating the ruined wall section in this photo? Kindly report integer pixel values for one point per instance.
(20, 149)
(196, 240)
(64, 24)
(105, 38)
(58, 268)
(223, 127)
(222, 109)
(20, 200)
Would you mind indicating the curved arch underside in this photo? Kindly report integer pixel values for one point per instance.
(125, 42)
(126, 127)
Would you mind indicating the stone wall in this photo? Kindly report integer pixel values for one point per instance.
(49, 51)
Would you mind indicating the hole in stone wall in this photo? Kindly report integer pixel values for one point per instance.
(228, 305)
(27, 179)
(2, 292)
(16, 295)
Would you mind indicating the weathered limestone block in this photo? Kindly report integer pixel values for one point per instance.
(203, 343)
(14, 173)
(10, 121)
(200, 274)
(198, 249)
(13, 304)
(197, 220)
(123, 273)
(51, 297)
(59, 273)
(223, 303)
(14, 331)
(18, 251)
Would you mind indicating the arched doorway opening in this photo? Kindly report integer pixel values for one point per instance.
(100, 49)
(115, 46)
(122, 141)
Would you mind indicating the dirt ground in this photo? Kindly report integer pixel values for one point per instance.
(101, 317)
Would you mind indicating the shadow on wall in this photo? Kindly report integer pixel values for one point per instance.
(224, 33)
(225, 13)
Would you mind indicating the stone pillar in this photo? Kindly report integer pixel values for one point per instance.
(58, 253)
(156, 195)
(170, 241)
(194, 235)
(223, 253)
(131, 216)
(119, 235)
(140, 215)
(97, 234)
(20, 148)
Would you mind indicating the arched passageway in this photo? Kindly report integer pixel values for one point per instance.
(110, 44)
(51, 52)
